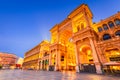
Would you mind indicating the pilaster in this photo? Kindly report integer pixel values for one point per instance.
(56, 61)
(95, 57)
(77, 59)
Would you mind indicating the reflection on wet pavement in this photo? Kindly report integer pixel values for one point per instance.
(50, 75)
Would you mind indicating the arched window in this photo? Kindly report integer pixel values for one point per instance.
(106, 37)
(78, 28)
(105, 26)
(82, 25)
(99, 29)
(46, 62)
(111, 24)
(43, 62)
(117, 33)
(117, 21)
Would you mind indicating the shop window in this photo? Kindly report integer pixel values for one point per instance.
(117, 21)
(106, 37)
(117, 58)
(105, 26)
(117, 33)
(111, 24)
(99, 29)
(113, 55)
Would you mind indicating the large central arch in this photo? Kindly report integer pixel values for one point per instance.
(85, 53)
(86, 59)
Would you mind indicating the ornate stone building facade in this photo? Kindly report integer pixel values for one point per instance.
(108, 43)
(44, 55)
(31, 58)
(8, 60)
(79, 44)
(38, 57)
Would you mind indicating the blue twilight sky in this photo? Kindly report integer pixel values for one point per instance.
(25, 23)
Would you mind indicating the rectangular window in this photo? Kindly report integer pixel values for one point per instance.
(114, 58)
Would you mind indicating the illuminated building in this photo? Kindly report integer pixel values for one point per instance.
(37, 57)
(108, 43)
(79, 44)
(44, 55)
(31, 58)
(95, 45)
(8, 60)
(19, 63)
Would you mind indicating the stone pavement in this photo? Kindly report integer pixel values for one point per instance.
(47, 75)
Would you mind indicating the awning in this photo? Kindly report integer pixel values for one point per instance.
(112, 64)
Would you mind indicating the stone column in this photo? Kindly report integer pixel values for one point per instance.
(56, 60)
(95, 57)
(50, 58)
(56, 52)
(66, 58)
(38, 64)
(77, 59)
(59, 60)
(67, 67)
(41, 64)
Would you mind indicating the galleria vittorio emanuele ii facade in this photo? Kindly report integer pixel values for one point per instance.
(78, 44)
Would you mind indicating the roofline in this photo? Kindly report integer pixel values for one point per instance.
(53, 27)
(9, 53)
(79, 7)
(105, 19)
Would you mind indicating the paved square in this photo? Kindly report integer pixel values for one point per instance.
(47, 75)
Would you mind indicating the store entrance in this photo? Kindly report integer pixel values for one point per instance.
(89, 68)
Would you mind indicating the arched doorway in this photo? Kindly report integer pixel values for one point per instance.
(43, 65)
(39, 65)
(53, 59)
(86, 59)
(63, 62)
(46, 64)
